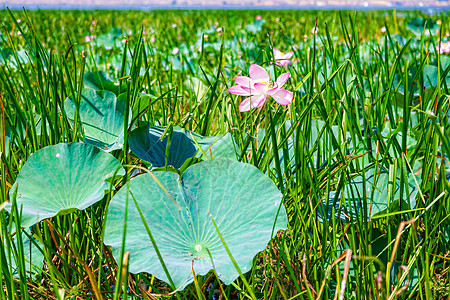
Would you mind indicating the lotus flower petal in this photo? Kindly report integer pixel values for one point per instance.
(283, 97)
(281, 80)
(252, 102)
(261, 88)
(288, 55)
(258, 74)
(244, 81)
(238, 90)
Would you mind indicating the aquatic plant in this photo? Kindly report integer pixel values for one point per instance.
(60, 179)
(177, 212)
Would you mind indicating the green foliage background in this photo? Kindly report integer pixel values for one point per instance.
(369, 95)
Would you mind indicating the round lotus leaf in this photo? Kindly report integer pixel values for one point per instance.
(110, 40)
(5, 55)
(243, 202)
(430, 75)
(445, 61)
(420, 26)
(102, 115)
(23, 57)
(62, 178)
(141, 104)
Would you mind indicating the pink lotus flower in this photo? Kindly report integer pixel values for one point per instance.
(258, 17)
(89, 38)
(258, 86)
(281, 58)
(444, 48)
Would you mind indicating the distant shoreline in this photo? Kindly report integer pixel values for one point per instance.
(219, 7)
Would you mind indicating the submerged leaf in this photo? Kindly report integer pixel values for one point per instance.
(243, 202)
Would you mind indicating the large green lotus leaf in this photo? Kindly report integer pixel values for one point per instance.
(350, 201)
(420, 26)
(7, 57)
(146, 143)
(256, 26)
(243, 201)
(224, 148)
(23, 57)
(430, 81)
(61, 178)
(102, 116)
(141, 104)
(99, 81)
(110, 40)
(430, 77)
(445, 62)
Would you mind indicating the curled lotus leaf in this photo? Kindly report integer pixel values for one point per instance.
(102, 115)
(150, 144)
(99, 81)
(245, 204)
